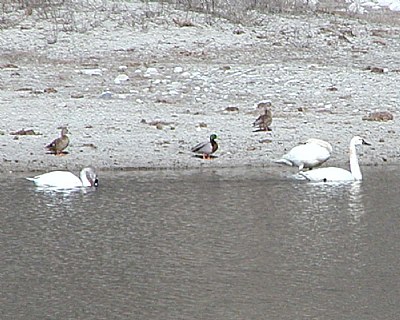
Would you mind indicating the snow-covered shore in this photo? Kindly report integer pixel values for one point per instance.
(140, 96)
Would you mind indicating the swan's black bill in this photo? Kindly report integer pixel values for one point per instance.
(366, 143)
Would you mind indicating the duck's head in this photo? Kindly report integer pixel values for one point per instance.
(213, 137)
(264, 105)
(64, 131)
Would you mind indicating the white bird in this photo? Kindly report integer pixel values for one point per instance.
(339, 174)
(311, 154)
(66, 179)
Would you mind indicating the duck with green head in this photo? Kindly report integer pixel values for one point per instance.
(206, 148)
(58, 145)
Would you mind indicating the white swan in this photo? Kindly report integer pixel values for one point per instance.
(339, 174)
(311, 154)
(66, 179)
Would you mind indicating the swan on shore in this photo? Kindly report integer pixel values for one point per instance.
(331, 174)
(66, 179)
(311, 154)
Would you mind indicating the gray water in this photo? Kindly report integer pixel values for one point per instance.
(206, 244)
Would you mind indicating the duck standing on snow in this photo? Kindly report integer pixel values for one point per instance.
(58, 145)
(66, 179)
(332, 174)
(206, 148)
(265, 119)
(311, 154)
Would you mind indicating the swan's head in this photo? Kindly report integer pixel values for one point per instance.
(357, 140)
(89, 177)
(321, 143)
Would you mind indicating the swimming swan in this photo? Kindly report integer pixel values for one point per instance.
(311, 154)
(339, 174)
(66, 179)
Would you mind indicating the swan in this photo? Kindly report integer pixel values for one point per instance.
(311, 154)
(339, 174)
(66, 179)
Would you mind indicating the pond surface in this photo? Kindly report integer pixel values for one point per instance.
(206, 244)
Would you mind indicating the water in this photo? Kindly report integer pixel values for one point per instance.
(210, 244)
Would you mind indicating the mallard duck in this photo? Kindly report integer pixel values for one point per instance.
(66, 179)
(58, 145)
(265, 118)
(206, 148)
(339, 174)
(311, 154)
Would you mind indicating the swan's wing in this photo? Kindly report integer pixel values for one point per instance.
(305, 155)
(327, 174)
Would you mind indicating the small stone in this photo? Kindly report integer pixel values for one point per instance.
(121, 78)
(378, 116)
(106, 95)
(50, 90)
(150, 72)
(178, 70)
(77, 95)
(232, 109)
(91, 72)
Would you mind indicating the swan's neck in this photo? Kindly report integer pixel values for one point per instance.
(85, 180)
(354, 166)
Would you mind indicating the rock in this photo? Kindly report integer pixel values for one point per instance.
(24, 132)
(91, 72)
(121, 78)
(106, 95)
(178, 70)
(50, 90)
(232, 109)
(76, 95)
(378, 116)
(151, 72)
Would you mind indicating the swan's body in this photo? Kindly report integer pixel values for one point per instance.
(339, 174)
(66, 179)
(308, 155)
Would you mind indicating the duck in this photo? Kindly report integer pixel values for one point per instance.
(334, 174)
(66, 179)
(58, 145)
(264, 120)
(310, 154)
(206, 148)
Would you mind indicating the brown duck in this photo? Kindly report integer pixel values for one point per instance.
(58, 145)
(265, 119)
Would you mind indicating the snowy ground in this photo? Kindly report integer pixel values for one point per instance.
(323, 74)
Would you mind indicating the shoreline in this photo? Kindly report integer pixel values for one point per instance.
(139, 99)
